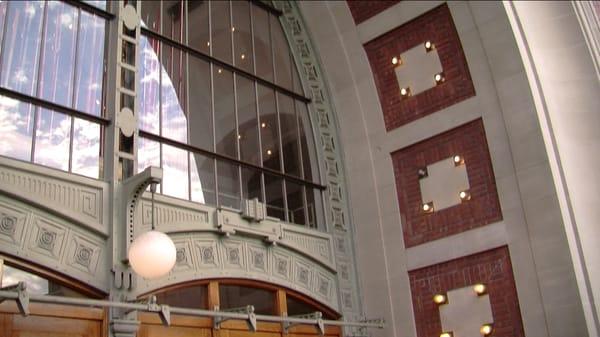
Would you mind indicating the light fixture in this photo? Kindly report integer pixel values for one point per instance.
(405, 92)
(208, 43)
(422, 172)
(440, 299)
(446, 334)
(439, 78)
(427, 207)
(153, 253)
(219, 70)
(269, 152)
(263, 125)
(486, 329)
(464, 195)
(239, 136)
(396, 60)
(480, 289)
(233, 29)
(458, 160)
(243, 56)
(429, 46)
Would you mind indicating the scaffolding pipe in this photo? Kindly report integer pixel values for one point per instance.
(156, 308)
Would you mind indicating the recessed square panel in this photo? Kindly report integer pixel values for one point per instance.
(417, 69)
(443, 184)
(465, 312)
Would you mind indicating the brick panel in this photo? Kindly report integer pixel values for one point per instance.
(363, 10)
(438, 27)
(493, 268)
(468, 141)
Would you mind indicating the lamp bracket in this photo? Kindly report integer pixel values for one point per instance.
(22, 297)
(248, 310)
(317, 316)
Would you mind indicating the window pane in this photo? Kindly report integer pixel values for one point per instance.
(174, 120)
(151, 15)
(16, 127)
(22, 46)
(295, 201)
(225, 136)
(199, 37)
(52, 139)
(86, 148)
(283, 61)
(248, 123)
(274, 195)
(310, 162)
(203, 179)
(262, 44)
(289, 135)
(35, 284)
(195, 297)
(175, 172)
(148, 154)
(242, 35)
(90, 59)
(229, 184)
(97, 3)
(173, 25)
(59, 53)
(316, 217)
(251, 184)
(200, 112)
(221, 30)
(269, 130)
(233, 296)
(149, 85)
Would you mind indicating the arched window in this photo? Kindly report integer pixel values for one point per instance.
(222, 110)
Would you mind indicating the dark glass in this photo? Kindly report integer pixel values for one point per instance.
(289, 135)
(295, 203)
(274, 195)
(269, 129)
(221, 30)
(229, 184)
(310, 162)
(199, 37)
(297, 306)
(283, 61)
(225, 127)
(53, 134)
(202, 174)
(234, 296)
(247, 121)
(314, 206)
(251, 184)
(173, 92)
(151, 15)
(36, 285)
(242, 36)
(200, 104)
(173, 20)
(195, 297)
(262, 44)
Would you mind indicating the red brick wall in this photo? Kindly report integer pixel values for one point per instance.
(468, 141)
(362, 10)
(492, 268)
(436, 26)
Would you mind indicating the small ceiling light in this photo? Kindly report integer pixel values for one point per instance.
(439, 299)
(428, 207)
(429, 46)
(208, 43)
(220, 71)
(486, 329)
(239, 136)
(446, 334)
(439, 78)
(233, 29)
(269, 152)
(405, 92)
(458, 160)
(395, 60)
(243, 56)
(480, 289)
(422, 172)
(263, 125)
(464, 195)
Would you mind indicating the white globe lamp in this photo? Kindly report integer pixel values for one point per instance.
(152, 254)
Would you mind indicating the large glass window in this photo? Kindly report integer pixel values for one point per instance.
(52, 53)
(222, 109)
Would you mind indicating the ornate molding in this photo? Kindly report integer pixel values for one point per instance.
(210, 255)
(75, 198)
(66, 247)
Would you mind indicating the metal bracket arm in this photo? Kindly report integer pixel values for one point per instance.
(22, 297)
(248, 310)
(317, 316)
(163, 310)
